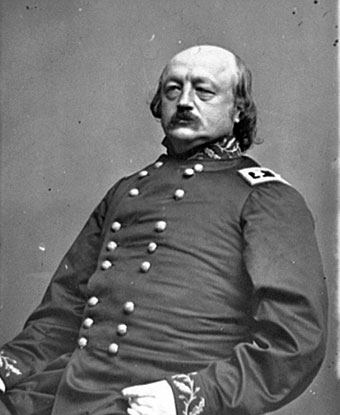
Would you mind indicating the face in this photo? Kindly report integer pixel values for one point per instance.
(197, 97)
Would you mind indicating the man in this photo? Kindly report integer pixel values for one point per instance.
(196, 286)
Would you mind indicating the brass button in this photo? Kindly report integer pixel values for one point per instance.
(111, 246)
(88, 322)
(143, 173)
(160, 226)
(134, 192)
(106, 265)
(188, 172)
(198, 168)
(158, 164)
(116, 226)
(129, 307)
(93, 301)
(145, 266)
(113, 348)
(122, 329)
(179, 194)
(82, 342)
(152, 247)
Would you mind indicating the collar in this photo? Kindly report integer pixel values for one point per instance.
(225, 148)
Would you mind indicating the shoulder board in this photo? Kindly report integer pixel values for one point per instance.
(258, 175)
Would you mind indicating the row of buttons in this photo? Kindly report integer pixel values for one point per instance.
(129, 306)
(160, 226)
(179, 194)
(122, 328)
(144, 173)
(112, 348)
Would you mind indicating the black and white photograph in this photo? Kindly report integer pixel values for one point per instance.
(169, 207)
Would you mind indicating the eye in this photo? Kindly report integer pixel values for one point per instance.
(204, 93)
(172, 91)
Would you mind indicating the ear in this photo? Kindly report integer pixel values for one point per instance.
(238, 110)
(237, 114)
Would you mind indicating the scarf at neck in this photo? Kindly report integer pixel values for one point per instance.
(226, 148)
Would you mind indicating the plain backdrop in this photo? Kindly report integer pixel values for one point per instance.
(76, 80)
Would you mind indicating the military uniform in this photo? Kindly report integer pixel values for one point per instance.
(205, 273)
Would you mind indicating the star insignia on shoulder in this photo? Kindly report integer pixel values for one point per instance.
(259, 175)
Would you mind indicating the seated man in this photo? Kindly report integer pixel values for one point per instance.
(195, 287)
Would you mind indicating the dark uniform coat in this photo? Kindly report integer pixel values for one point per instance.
(198, 272)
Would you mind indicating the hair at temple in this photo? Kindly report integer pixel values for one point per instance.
(245, 130)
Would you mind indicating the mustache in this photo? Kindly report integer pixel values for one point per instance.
(183, 115)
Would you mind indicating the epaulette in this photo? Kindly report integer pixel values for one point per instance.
(259, 175)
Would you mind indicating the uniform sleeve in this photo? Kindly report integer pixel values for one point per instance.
(52, 329)
(289, 307)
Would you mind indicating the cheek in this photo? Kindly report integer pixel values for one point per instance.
(219, 122)
(223, 115)
(167, 110)
(216, 116)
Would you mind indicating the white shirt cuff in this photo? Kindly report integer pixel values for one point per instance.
(2, 386)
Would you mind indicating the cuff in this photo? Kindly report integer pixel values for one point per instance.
(9, 370)
(2, 386)
(188, 395)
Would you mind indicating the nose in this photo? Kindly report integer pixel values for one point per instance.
(186, 99)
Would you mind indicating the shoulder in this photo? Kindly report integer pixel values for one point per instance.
(257, 175)
(254, 174)
(270, 192)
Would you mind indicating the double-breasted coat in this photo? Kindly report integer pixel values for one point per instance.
(204, 273)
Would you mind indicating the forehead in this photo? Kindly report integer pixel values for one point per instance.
(217, 66)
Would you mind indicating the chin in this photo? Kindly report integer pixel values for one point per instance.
(185, 142)
(183, 134)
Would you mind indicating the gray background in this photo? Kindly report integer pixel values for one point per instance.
(76, 80)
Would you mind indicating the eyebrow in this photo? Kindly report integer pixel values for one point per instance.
(204, 80)
(195, 80)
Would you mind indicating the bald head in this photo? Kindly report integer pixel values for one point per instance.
(207, 50)
(211, 58)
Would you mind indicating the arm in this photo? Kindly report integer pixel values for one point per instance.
(288, 330)
(52, 329)
(289, 311)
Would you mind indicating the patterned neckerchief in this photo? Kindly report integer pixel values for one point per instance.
(226, 148)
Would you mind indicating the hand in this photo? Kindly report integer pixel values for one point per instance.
(151, 399)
